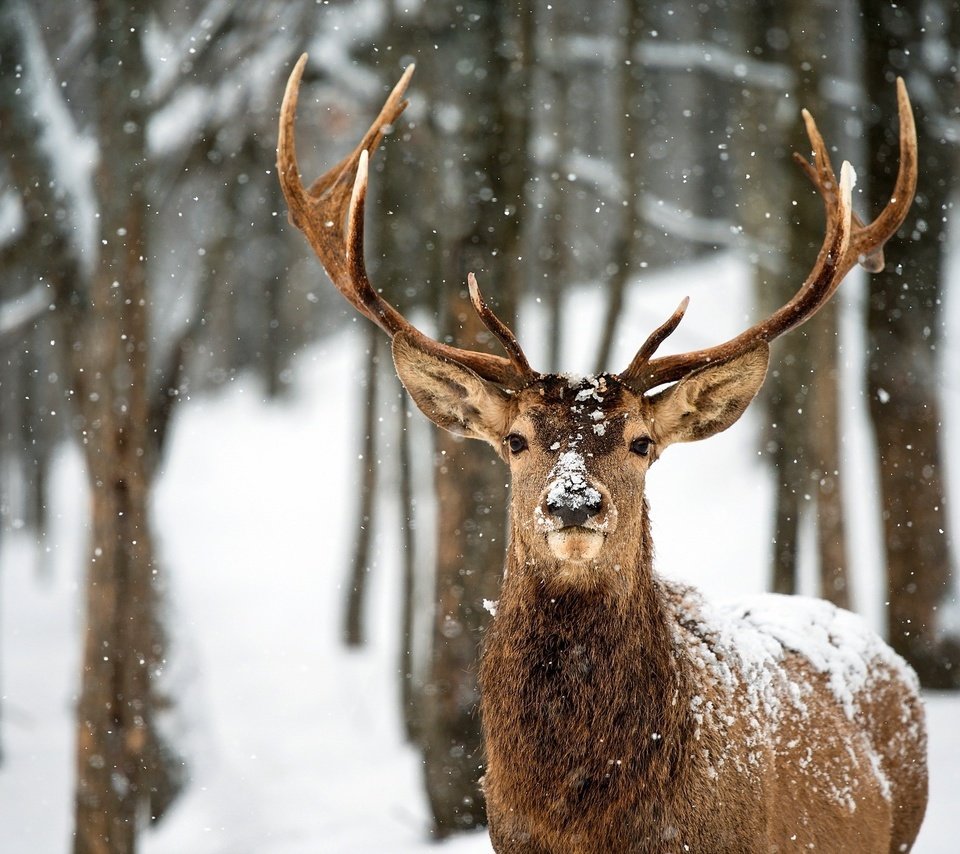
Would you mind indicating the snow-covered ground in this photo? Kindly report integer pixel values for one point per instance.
(294, 743)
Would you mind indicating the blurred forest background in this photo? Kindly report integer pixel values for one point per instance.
(147, 260)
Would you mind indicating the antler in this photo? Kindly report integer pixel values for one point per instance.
(330, 214)
(847, 241)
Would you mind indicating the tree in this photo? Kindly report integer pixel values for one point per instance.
(354, 631)
(904, 327)
(123, 766)
(120, 369)
(481, 160)
(634, 112)
(784, 213)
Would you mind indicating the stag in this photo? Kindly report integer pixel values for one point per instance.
(620, 710)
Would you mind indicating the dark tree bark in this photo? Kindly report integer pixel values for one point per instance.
(354, 633)
(122, 765)
(826, 483)
(634, 112)
(904, 328)
(551, 75)
(407, 664)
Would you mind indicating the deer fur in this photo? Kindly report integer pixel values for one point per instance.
(623, 713)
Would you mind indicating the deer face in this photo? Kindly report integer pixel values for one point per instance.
(578, 450)
(574, 475)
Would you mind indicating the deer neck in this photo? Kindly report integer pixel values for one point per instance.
(565, 668)
(619, 626)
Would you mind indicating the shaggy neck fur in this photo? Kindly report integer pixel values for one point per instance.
(564, 672)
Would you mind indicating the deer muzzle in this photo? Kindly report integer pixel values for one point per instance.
(575, 513)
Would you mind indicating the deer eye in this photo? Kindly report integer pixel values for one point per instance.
(516, 443)
(641, 446)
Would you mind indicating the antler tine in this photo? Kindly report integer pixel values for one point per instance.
(364, 298)
(500, 330)
(319, 211)
(823, 179)
(330, 215)
(892, 216)
(654, 340)
(847, 241)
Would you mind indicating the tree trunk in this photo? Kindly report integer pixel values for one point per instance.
(823, 431)
(635, 113)
(807, 402)
(904, 329)
(124, 771)
(553, 253)
(479, 232)
(122, 766)
(802, 391)
(407, 664)
(471, 540)
(353, 626)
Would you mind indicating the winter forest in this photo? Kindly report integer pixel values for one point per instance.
(244, 583)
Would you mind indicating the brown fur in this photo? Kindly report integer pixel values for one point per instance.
(620, 712)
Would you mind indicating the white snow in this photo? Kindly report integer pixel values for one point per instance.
(22, 309)
(295, 743)
(747, 656)
(72, 155)
(567, 484)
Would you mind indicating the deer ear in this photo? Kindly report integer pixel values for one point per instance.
(710, 399)
(451, 395)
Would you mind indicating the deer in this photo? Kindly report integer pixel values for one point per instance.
(622, 711)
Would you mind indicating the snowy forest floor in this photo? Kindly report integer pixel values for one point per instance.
(294, 743)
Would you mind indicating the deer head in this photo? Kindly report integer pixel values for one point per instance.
(579, 450)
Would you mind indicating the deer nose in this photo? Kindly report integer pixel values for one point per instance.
(574, 508)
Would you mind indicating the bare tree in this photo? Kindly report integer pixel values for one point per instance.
(120, 371)
(120, 757)
(124, 769)
(804, 451)
(904, 328)
(634, 113)
(354, 628)
(481, 151)
(475, 235)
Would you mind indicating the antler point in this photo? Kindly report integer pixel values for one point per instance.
(474, 290)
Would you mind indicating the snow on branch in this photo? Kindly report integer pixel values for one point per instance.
(72, 155)
(686, 225)
(11, 218)
(689, 226)
(24, 309)
(716, 60)
(169, 60)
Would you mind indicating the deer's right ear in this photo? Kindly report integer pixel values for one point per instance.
(451, 395)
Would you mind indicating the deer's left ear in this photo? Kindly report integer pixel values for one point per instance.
(710, 399)
(451, 395)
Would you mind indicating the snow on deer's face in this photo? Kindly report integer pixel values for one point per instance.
(578, 453)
